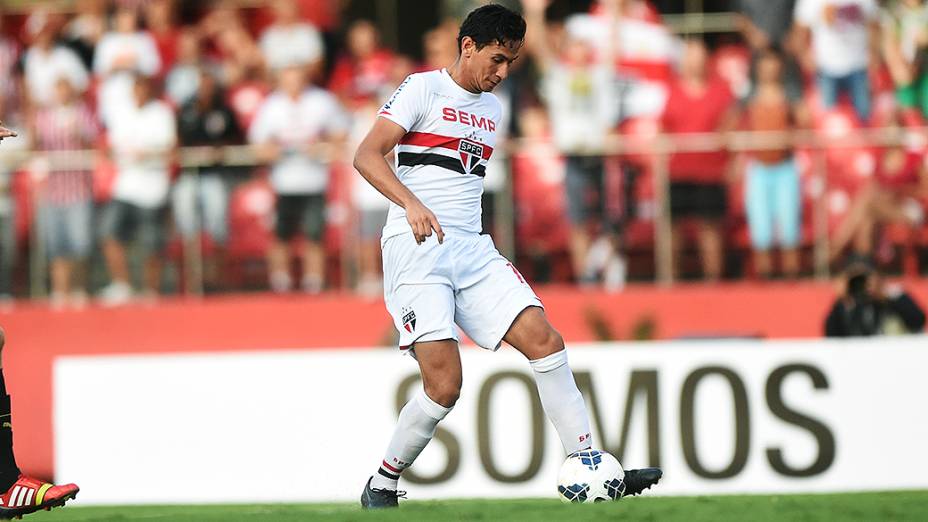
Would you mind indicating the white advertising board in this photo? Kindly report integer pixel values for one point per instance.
(300, 426)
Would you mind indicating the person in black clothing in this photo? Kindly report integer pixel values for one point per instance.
(200, 196)
(868, 306)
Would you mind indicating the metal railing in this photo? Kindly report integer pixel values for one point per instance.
(657, 148)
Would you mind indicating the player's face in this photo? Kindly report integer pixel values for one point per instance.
(491, 64)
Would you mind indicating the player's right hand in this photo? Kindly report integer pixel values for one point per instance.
(423, 221)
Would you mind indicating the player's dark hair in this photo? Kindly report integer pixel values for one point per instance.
(490, 24)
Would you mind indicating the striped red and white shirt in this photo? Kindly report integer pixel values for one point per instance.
(67, 128)
(450, 135)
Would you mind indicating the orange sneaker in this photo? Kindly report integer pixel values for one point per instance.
(28, 495)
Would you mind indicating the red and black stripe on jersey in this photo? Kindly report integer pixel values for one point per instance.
(470, 153)
(411, 159)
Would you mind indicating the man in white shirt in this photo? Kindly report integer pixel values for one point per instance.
(289, 41)
(45, 63)
(119, 56)
(842, 33)
(579, 87)
(289, 127)
(142, 141)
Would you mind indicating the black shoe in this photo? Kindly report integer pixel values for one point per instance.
(380, 498)
(638, 480)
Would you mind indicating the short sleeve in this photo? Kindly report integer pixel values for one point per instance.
(407, 105)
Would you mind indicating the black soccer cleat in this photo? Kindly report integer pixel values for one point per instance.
(638, 480)
(380, 498)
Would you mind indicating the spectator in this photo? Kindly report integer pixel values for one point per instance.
(159, 20)
(765, 25)
(66, 202)
(840, 33)
(772, 194)
(362, 74)
(905, 49)
(698, 103)
(582, 102)
(290, 42)
(84, 30)
(439, 46)
(895, 195)
(242, 60)
(142, 141)
(121, 55)
(643, 46)
(289, 124)
(201, 195)
(537, 172)
(184, 76)
(45, 62)
(868, 306)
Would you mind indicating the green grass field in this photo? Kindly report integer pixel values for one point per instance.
(898, 505)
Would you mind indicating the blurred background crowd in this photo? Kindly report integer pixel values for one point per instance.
(200, 147)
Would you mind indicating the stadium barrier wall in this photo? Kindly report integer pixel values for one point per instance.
(36, 335)
(738, 416)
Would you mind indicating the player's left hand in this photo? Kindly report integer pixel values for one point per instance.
(6, 133)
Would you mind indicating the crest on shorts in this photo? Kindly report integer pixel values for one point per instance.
(409, 319)
(471, 153)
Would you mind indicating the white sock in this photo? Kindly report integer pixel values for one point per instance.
(414, 429)
(562, 401)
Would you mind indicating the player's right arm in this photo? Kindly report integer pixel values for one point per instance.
(371, 163)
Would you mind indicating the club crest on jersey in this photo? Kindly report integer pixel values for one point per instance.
(471, 153)
(409, 320)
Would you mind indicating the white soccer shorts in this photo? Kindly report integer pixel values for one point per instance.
(465, 280)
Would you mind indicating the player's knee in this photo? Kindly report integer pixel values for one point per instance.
(444, 393)
(551, 342)
(2, 339)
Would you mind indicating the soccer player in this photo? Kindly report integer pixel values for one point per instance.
(443, 125)
(21, 494)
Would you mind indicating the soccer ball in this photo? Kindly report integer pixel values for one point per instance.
(590, 476)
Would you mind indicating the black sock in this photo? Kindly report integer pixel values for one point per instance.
(8, 470)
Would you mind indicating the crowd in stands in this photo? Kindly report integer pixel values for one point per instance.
(160, 96)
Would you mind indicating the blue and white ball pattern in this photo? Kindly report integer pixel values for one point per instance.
(591, 476)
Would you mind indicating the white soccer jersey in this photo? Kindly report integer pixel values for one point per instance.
(450, 135)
